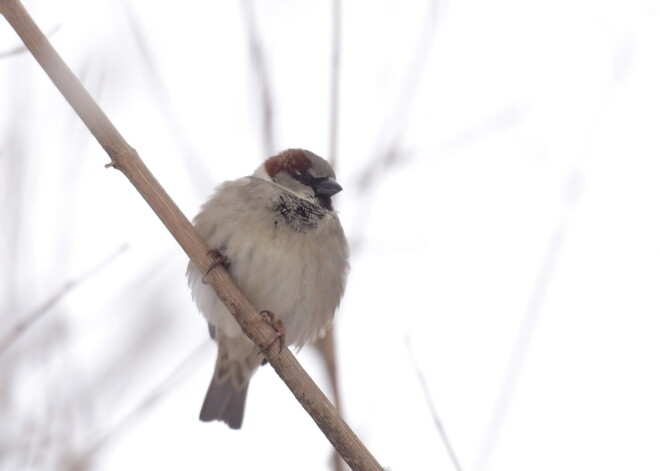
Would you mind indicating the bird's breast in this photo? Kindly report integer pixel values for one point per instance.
(298, 275)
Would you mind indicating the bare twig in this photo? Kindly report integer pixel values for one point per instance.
(29, 320)
(326, 344)
(197, 169)
(523, 340)
(335, 56)
(388, 150)
(125, 158)
(261, 75)
(431, 406)
(178, 374)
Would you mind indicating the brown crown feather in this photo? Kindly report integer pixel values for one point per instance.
(293, 161)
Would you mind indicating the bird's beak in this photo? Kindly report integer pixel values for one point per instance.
(327, 187)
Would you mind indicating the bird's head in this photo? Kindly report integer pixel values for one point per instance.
(303, 173)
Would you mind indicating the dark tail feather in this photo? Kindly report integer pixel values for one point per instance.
(225, 403)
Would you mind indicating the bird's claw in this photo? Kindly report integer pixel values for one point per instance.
(278, 327)
(218, 259)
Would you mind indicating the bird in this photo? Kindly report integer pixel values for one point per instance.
(279, 237)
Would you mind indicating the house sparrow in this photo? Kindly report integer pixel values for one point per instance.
(282, 242)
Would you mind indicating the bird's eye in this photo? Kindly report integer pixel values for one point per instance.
(304, 178)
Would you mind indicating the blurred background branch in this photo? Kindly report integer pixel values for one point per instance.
(432, 409)
(30, 319)
(261, 77)
(335, 67)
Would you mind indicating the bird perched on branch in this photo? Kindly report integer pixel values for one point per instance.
(278, 236)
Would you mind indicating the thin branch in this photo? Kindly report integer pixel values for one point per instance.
(178, 374)
(520, 348)
(388, 150)
(23, 325)
(434, 413)
(326, 344)
(197, 169)
(335, 56)
(261, 75)
(534, 306)
(125, 158)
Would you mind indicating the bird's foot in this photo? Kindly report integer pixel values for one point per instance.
(218, 259)
(278, 327)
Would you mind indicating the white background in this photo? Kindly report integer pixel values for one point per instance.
(500, 165)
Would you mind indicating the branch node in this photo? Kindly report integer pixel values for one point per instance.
(119, 158)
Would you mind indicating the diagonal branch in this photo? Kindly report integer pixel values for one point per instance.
(123, 157)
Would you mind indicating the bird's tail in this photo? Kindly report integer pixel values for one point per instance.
(225, 403)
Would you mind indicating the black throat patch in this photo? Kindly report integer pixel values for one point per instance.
(297, 214)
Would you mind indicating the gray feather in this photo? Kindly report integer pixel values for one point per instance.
(225, 403)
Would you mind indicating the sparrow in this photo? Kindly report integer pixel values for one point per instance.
(280, 239)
